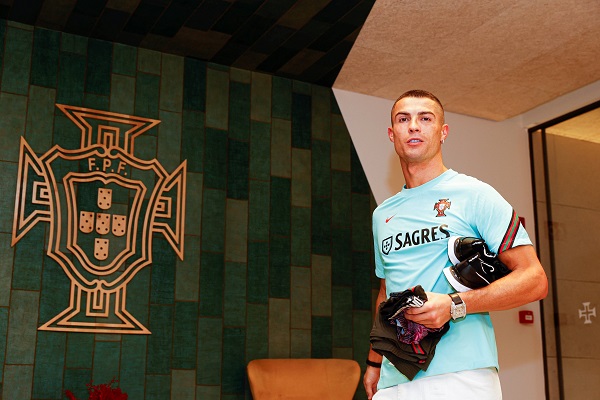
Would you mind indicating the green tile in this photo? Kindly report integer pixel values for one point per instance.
(261, 97)
(341, 258)
(124, 60)
(96, 101)
(106, 362)
(258, 218)
(22, 327)
(17, 382)
(321, 168)
(341, 144)
(301, 121)
(360, 184)
(12, 125)
(258, 272)
(234, 307)
(17, 61)
(122, 95)
(282, 98)
(236, 231)
(8, 182)
(138, 295)
(281, 148)
(2, 38)
(44, 58)
(171, 83)
(301, 87)
(300, 298)
(192, 140)
(187, 273)
(301, 246)
(361, 280)
(73, 44)
(238, 166)
(158, 387)
(257, 332)
(239, 110)
(149, 61)
(99, 62)
(160, 342)
(80, 350)
(208, 392)
(133, 365)
(215, 159)
(29, 253)
(321, 113)
(185, 333)
(280, 219)
(7, 256)
(194, 85)
(147, 89)
(361, 222)
(300, 343)
(321, 285)
(321, 226)
(217, 99)
(66, 135)
(301, 177)
(183, 384)
(163, 272)
(210, 344)
(75, 380)
(193, 210)
(169, 140)
(240, 75)
(362, 321)
(3, 335)
(40, 117)
(212, 278)
(279, 267)
(344, 353)
(341, 199)
(279, 328)
(260, 150)
(341, 309)
(213, 221)
(71, 79)
(234, 366)
(321, 337)
(55, 290)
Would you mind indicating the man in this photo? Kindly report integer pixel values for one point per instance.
(411, 231)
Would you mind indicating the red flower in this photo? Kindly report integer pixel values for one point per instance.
(102, 391)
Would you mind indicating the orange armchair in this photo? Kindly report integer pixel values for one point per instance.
(303, 378)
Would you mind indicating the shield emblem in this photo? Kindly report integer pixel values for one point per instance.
(386, 245)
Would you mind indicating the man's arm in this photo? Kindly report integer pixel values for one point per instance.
(526, 283)
(371, 377)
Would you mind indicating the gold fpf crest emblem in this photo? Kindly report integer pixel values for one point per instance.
(104, 205)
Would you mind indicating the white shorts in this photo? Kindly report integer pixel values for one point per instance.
(478, 384)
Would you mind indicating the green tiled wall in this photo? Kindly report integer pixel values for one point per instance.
(278, 252)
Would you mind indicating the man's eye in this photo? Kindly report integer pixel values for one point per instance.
(426, 119)
(402, 119)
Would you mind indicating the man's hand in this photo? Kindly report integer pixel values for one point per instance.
(370, 381)
(434, 313)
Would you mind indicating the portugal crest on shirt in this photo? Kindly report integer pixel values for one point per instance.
(441, 207)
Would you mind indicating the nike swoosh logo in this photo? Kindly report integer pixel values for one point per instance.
(388, 219)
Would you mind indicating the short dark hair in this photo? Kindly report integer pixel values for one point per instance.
(419, 94)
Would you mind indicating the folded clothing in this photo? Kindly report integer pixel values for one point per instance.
(409, 346)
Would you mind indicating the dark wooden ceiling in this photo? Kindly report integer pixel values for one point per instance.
(307, 40)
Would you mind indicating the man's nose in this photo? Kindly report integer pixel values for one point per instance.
(413, 126)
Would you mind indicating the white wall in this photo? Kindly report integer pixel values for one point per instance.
(496, 153)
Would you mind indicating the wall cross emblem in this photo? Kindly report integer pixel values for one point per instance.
(587, 313)
(104, 205)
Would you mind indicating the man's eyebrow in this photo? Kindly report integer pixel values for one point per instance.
(419, 113)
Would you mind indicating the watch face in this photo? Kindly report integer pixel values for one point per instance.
(458, 311)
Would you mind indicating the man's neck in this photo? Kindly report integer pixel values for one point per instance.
(419, 174)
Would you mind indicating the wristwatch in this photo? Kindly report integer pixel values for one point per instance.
(458, 309)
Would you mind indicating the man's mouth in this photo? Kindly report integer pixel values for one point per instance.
(414, 141)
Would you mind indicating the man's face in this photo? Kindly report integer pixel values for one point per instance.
(417, 129)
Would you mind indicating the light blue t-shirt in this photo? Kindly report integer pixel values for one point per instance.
(411, 231)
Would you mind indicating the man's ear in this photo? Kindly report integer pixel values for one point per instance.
(445, 132)
(391, 134)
